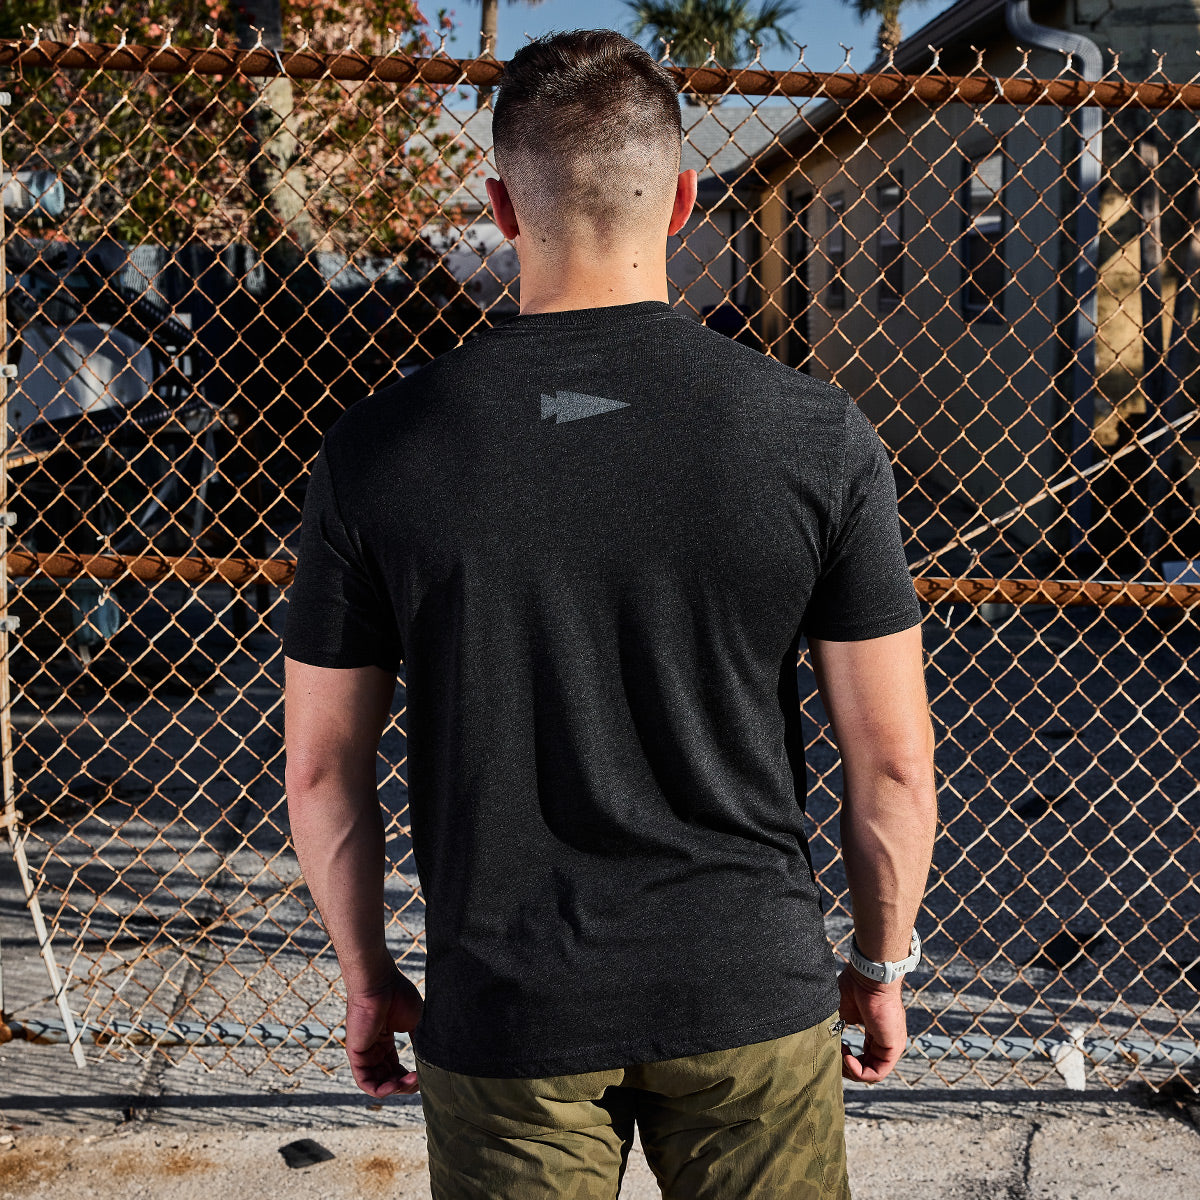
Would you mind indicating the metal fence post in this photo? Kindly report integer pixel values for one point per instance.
(11, 819)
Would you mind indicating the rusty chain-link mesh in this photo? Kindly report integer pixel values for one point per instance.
(211, 253)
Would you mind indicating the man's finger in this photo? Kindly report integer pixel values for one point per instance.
(874, 1068)
(868, 1067)
(379, 1083)
(849, 1063)
(380, 1086)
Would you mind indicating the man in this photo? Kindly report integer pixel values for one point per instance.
(595, 535)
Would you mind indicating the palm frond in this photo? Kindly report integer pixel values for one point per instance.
(730, 26)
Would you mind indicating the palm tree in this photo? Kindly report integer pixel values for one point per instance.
(487, 37)
(888, 12)
(729, 25)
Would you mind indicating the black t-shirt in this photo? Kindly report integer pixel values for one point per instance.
(595, 539)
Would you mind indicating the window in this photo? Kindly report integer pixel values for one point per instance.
(889, 251)
(984, 269)
(835, 251)
(798, 296)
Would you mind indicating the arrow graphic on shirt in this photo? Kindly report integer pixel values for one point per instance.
(570, 406)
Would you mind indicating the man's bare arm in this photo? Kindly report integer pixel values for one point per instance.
(874, 694)
(334, 719)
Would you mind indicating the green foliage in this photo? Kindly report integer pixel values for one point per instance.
(730, 25)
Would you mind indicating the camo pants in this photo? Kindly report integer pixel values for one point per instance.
(759, 1121)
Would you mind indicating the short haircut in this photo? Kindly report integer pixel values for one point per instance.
(586, 126)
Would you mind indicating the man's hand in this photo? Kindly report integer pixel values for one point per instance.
(372, 1017)
(334, 718)
(874, 693)
(879, 1009)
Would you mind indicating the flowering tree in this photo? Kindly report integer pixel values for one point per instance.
(341, 165)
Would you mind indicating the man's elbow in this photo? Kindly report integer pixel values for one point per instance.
(910, 785)
(910, 772)
(909, 768)
(343, 771)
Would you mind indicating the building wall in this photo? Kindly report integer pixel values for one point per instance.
(968, 405)
(1130, 35)
(1131, 397)
(707, 261)
(1138, 30)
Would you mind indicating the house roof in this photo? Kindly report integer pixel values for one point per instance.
(945, 31)
(719, 143)
(968, 22)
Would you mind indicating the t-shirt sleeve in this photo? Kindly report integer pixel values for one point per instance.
(864, 589)
(338, 612)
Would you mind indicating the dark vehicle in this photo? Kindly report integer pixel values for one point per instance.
(168, 401)
(113, 442)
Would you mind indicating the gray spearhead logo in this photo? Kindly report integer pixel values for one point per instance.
(570, 406)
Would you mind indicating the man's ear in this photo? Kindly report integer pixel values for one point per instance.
(502, 209)
(685, 199)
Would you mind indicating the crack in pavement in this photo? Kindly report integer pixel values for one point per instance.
(1026, 1161)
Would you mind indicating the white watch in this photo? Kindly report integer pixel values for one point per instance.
(885, 972)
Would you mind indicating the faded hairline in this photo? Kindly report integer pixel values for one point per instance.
(614, 190)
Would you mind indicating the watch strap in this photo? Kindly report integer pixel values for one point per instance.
(885, 972)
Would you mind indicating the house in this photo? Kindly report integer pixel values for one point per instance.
(933, 262)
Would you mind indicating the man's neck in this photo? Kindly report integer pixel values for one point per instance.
(594, 284)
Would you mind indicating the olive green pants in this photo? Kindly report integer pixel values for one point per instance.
(759, 1121)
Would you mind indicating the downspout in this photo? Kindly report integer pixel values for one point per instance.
(1090, 65)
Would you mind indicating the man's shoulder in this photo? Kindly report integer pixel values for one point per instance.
(371, 420)
(379, 418)
(789, 382)
(401, 397)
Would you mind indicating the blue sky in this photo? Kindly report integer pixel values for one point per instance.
(818, 24)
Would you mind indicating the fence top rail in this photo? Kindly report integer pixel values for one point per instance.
(888, 88)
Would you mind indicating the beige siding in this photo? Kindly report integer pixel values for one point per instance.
(969, 402)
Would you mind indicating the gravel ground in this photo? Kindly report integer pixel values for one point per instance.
(122, 1132)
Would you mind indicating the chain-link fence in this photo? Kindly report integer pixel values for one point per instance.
(211, 252)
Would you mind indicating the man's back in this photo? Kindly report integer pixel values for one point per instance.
(595, 538)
